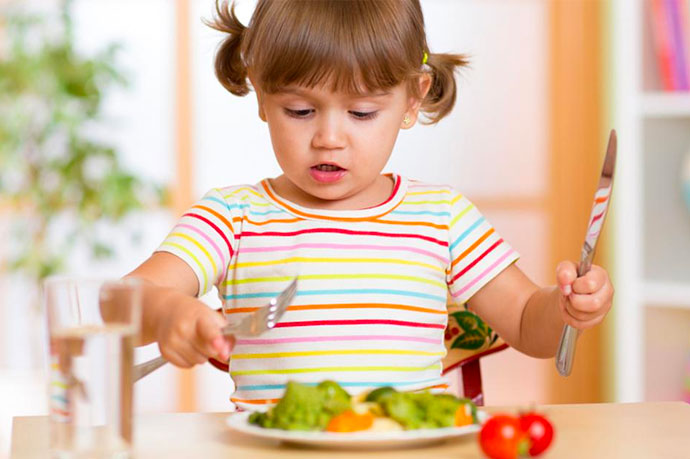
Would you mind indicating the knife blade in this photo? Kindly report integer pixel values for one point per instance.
(602, 197)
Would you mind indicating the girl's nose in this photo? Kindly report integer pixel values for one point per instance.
(330, 133)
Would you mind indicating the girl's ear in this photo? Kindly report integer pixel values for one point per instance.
(259, 100)
(262, 112)
(415, 103)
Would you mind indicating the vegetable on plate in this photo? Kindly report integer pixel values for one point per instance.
(328, 407)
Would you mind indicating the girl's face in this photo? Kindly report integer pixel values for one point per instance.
(332, 146)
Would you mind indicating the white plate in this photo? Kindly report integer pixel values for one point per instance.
(360, 440)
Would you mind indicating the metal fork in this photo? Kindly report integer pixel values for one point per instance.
(264, 318)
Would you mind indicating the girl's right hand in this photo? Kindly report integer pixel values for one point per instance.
(190, 333)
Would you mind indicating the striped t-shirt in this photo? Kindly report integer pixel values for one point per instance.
(370, 310)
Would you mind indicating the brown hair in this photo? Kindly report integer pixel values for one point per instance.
(352, 44)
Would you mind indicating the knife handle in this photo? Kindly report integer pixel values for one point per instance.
(566, 346)
(566, 350)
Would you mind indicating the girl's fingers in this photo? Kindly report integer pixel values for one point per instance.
(593, 281)
(579, 314)
(203, 349)
(567, 318)
(208, 339)
(566, 273)
(582, 325)
(228, 344)
(183, 353)
(589, 300)
(192, 356)
(175, 357)
(585, 304)
(584, 311)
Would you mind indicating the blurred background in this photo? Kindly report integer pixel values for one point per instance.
(112, 123)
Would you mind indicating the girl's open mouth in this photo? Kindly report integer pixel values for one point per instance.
(327, 173)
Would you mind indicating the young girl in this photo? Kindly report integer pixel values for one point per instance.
(377, 255)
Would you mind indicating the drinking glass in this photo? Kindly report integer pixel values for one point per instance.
(92, 325)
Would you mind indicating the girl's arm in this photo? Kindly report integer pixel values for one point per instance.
(530, 318)
(186, 329)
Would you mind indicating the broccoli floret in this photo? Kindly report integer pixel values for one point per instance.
(423, 410)
(377, 394)
(336, 400)
(305, 407)
(402, 408)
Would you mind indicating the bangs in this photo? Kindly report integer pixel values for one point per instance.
(310, 43)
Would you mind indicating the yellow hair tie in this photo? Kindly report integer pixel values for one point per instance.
(426, 56)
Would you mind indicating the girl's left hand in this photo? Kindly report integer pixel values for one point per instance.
(584, 301)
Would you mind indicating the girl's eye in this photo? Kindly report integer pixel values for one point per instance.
(299, 113)
(364, 115)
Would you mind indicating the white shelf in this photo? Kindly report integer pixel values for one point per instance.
(666, 104)
(650, 222)
(666, 294)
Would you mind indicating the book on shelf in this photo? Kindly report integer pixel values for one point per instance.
(677, 44)
(684, 12)
(670, 27)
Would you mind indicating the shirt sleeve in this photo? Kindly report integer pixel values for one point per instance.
(477, 252)
(204, 238)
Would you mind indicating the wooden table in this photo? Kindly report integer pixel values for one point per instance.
(636, 430)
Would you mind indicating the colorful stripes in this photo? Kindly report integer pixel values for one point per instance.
(484, 274)
(58, 401)
(381, 209)
(331, 292)
(366, 384)
(201, 248)
(371, 306)
(349, 247)
(476, 260)
(215, 228)
(266, 401)
(322, 323)
(335, 370)
(278, 355)
(330, 277)
(358, 261)
(465, 233)
(320, 339)
(341, 231)
(434, 191)
(316, 307)
(472, 247)
(211, 242)
(191, 255)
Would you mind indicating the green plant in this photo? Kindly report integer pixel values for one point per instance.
(56, 182)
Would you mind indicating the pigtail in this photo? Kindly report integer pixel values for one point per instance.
(231, 70)
(440, 99)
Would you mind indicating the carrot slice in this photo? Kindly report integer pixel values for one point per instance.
(349, 421)
(463, 416)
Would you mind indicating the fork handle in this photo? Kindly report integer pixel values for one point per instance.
(230, 328)
(142, 369)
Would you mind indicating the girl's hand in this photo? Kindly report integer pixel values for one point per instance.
(190, 333)
(584, 301)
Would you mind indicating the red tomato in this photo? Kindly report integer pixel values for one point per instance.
(502, 438)
(539, 430)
